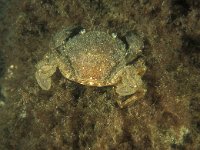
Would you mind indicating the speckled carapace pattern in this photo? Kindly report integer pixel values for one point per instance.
(94, 57)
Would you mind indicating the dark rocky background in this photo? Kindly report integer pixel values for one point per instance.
(73, 116)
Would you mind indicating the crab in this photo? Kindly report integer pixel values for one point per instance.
(96, 58)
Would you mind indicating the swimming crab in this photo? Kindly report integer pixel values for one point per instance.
(96, 58)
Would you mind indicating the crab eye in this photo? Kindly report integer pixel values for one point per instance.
(114, 35)
(82, 31)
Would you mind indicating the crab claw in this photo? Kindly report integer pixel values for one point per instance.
(44, 82)
(45, 69)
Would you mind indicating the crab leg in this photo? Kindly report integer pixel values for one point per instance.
(131, 100)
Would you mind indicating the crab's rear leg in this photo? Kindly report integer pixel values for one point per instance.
(131, 100)
(130, 84)
(45, 69)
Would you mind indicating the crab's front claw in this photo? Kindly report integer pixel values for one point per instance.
(131, 84)
(43, 76)
(44, 82)
(45, 69)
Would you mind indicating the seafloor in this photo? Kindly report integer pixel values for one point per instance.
(73, 116)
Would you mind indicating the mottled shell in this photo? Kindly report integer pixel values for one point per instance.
(94, 57)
